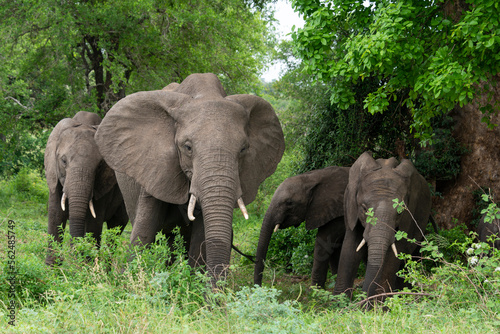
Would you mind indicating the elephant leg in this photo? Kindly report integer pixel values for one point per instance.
(335, 257)
(149, 219)
(349, 261)
(56, 224)
(95, 227)
(197, 251)
(119, 218)
(323, 249)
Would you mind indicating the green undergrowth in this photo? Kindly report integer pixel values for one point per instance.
(456, 285)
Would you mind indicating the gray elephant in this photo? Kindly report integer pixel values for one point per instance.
(82, 188)
(316, 197)
(191, 147)
(485, 230)
(373, 184)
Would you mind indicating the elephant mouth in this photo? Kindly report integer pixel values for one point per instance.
(192, 204)
(393, 247)
(91, 204)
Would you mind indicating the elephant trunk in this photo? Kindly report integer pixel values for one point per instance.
(266, 233)
(378, 247)
(217, 193)
(80, 182)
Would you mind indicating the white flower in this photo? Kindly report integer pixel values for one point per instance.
(497, 269)
(470, 251)
(306, 256)
(473, 260)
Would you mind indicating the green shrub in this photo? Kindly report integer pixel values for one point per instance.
(259, 311)
(292, 249)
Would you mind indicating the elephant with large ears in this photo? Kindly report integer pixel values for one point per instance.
(191, 144)
(486, 229)
(374, 184)
(82, 187)
(316, 197)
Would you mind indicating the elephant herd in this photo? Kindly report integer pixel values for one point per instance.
(189, 154)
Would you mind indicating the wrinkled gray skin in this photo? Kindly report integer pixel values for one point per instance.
(374, 184)
(485, 230)
(74, 166)
(316, 197)
(191, 139)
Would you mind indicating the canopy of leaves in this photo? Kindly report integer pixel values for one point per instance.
(427, 55)
(59, 57)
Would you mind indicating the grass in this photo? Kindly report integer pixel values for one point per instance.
(98, 291)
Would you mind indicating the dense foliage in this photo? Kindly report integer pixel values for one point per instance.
(61, 57)
(427, 55)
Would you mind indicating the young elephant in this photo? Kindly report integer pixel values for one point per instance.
(485, 230)
(374, 184)
(315, 197)
(82, 188)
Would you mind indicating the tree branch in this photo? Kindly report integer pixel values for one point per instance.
(387, 294)
(16, 101)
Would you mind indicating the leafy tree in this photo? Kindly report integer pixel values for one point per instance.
(58, 57)
(329, 134)
(427, 55)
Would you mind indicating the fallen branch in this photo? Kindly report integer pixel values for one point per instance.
(387, 294)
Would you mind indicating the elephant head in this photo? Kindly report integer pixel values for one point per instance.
(191, 140)
(374, 184)
(485, 230)
(76, 172)
(315, 197)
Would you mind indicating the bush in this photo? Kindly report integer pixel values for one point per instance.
(293, 249)
(260, 312)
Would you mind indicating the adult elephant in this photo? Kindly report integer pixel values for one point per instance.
(82, 188)
(486, 229)
(191, 141)
(316, 197)
(373, 184)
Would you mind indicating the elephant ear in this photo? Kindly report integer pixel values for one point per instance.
(50, 158)
(266, 140)
(364, 164)
(136, 137)
(327, 197)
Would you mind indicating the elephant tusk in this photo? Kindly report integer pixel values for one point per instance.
(394, 249)
(91, 207)
(243, 209)
(192, 203)
(361, 244)
(276, 228)
(63, 202)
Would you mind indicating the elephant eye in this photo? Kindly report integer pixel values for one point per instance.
(244, 148)
(63, 160)
(188, 147)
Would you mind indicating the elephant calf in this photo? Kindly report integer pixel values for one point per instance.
(315, 197)
(78, 176)
(485, 230)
